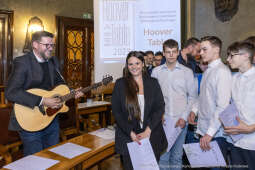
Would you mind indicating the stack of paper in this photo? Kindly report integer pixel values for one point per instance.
(104, 133)
(228, 118)
(171, 132)
(70, 150)
(31, 162)
(92, 104)
(142, 156)
(199, 158)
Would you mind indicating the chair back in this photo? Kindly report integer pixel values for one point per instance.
(103, 93)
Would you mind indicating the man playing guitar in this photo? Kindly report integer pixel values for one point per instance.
(36, 69)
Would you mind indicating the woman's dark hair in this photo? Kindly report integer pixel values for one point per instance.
(131, 88)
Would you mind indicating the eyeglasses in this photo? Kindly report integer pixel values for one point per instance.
(232, 55)
(48, 45)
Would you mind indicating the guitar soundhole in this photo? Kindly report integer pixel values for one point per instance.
(51, 111)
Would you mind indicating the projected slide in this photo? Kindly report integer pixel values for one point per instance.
(155, 22)
(117, 31)
(125, 25)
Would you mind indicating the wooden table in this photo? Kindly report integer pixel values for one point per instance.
(103, 108)
(100, 150)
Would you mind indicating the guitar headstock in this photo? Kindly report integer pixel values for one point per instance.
(107, 79)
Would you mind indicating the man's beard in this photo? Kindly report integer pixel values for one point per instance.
(44, 56)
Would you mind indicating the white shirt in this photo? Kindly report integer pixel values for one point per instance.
(141, 104)
(243, 94)
(39, 59)
(214, 97)
(179, 89)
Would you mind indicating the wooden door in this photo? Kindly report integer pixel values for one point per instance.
(75, 49)
(6, 44)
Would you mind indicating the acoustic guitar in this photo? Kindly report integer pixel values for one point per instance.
(39, 118)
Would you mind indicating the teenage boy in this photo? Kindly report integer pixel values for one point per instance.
(240, 56)
(214, 97)
(180, 92)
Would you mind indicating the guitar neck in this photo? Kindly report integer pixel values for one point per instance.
(84, 90)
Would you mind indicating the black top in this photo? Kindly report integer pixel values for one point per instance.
(191, 63)
(154, 109)
(46, 77)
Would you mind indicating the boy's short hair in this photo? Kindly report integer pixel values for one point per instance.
(247, 47)
(191, 41)
(251, 40)
(233, 48)
(215, 41)
(159, 53)
(170, 43)
(149, 52)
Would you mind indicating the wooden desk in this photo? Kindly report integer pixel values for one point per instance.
(101, 107)
(100, 150)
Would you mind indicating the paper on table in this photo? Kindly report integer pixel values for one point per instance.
(104, 133)
(92, 104)
(69, 150)
(171, 132)
(142, 156)
(32, 162)
(199, 158)
(228, 118)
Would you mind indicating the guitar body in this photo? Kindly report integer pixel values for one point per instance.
(32, 119)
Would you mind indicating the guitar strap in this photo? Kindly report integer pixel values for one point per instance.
(57, 70)
(41, 107)
(42, 110)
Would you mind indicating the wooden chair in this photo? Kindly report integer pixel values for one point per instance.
(102, 93)
(82, 119)
(5, 156)
(9, 141)
(105, 94)
(67, 122)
